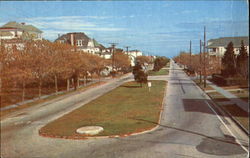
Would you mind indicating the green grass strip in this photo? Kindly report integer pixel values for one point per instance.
(121, 111)
(157, 73)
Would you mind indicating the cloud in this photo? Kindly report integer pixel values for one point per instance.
(51, 26)
(216, 27)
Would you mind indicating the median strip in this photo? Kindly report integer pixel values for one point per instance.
(125, 110)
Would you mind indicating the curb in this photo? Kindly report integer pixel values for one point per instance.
(221, 110)
(76, 137)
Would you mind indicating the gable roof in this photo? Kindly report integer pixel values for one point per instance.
(223, 41)
(96, 44)
(27, 28)
(77, 36)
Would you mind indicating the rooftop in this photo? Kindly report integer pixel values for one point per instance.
(223, 41)
(22, 26)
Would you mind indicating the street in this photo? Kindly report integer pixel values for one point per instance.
(189, 127)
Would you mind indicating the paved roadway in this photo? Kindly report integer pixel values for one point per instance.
(188, 128)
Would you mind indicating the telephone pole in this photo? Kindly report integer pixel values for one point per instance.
(200, 60)
(113, 54)
(190, 51)
(127, 48)
(204, 50)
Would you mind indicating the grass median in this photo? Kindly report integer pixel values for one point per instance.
(124, 110)
(160, 72)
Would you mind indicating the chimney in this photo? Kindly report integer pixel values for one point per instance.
(23, 23)
(72, 39)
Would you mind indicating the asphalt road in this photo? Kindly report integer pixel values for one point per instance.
(189, 127)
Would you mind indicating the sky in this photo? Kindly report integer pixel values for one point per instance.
(161, 28)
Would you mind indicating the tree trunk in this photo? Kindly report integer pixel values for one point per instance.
(78, 82)
(72, 82)
(1, 69)
(85, 80)
(68, 84)
(200, 78)
(23, 93)
(99, 76)
(56, 86)
(205, 80)
(0, 91)
(40, 88)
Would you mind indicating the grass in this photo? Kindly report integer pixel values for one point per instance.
(167, 65)
(160, 72)
(240, 115)
(201, 85)
(242, 95)
(236, 112)
(119, 112)
(40, 101)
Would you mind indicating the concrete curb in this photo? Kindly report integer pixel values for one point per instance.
(231, 117)
(221, 110)
(112, 136)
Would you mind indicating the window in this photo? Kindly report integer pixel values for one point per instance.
(79, 42)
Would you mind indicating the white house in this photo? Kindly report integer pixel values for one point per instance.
(217, 47)
(81, 41)
(14, 30)
(132, 55)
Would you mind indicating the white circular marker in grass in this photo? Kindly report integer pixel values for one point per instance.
(89, 130)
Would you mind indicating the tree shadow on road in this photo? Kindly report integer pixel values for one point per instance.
(226, 139)
(200, 105)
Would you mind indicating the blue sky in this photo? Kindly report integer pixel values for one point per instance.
(155, 27)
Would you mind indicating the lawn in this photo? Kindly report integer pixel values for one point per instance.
(240, 115)
(160, 72)
(236, 112)
(201, 85)
(124, 110)
(244, 95)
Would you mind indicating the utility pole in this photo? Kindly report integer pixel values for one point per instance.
(200, 60)
(127, 48)
(2, 45)
(205, 73)
(113, 54)
(180, 59)
(190, 51)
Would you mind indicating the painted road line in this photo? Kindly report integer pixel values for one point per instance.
(227, 128)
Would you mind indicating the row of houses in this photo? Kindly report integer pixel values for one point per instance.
(83, 43)
(14, 33)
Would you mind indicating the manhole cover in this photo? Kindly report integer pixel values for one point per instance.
(89, 130)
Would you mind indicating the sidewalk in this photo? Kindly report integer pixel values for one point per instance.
(233, 99)
(106, 79)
